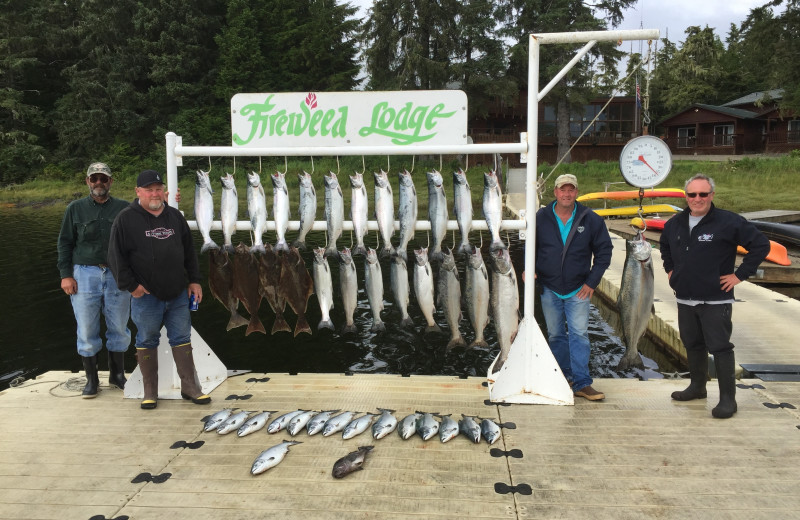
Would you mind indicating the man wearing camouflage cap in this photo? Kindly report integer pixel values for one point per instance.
(87, 279)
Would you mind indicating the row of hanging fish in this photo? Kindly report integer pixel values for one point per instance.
(282, 278)
(384, 211)
(351, 424)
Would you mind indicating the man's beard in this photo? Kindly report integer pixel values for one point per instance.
(154, 204)
(99, 192)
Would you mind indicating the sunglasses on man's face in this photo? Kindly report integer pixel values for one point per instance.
(101, 177)
(702, 194)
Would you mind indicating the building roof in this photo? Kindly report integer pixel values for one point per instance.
(749, 99)
(734, 112)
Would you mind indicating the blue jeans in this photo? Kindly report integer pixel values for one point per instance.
(149, 314)
(568, 335)
(98, 292)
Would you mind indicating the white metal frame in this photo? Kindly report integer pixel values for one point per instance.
(532, 376)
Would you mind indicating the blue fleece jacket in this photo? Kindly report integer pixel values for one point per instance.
(565, 267)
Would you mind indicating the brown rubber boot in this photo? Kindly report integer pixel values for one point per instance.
(148, 365)
(184, 362)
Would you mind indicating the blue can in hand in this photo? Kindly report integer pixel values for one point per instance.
(193, 305)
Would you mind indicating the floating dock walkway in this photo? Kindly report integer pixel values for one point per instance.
(636, 455)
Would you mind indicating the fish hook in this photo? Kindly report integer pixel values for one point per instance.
(363, 165)
(234, 165)
(388, 166)
(412, 163)
(259, 166)
(312, 164)
(481, 235)
(338, 168)
(209, 164)
(640, 213)
(440, 162)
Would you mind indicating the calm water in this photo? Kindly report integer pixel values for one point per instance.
(38, 326)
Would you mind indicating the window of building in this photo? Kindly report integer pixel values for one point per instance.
(723, 135)
(793, 136)
(686, 137)
(615, 124)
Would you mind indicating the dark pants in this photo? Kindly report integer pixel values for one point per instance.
(706, 327)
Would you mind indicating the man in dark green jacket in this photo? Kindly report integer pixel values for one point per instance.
(86, 278)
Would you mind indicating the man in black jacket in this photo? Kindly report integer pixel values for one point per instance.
(150, 254)
(698, 247)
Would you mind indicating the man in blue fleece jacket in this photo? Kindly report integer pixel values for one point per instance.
(573, 250)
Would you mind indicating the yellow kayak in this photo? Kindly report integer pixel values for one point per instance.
(629, 211)
(633, 194)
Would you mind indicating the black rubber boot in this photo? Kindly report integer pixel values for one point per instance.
(184, 362)
(726, 377)
(92, 380)
(148, 365)
(116, 369)
(698, 375)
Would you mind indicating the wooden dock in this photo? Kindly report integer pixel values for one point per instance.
(636, 455)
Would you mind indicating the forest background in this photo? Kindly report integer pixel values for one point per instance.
(87, 80)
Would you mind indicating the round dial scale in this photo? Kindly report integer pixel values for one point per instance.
(645, 161)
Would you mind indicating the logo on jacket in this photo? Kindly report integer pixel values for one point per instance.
(706, 237)
(580, 229)
(160, 233)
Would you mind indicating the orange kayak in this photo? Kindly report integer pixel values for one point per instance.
(777, 253)
(633, 194)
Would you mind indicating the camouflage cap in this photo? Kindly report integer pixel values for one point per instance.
(98, 167)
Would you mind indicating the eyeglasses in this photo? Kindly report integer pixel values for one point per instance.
(702, 194)
(101, 177)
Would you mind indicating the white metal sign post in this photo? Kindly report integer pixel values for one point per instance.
(531, 374)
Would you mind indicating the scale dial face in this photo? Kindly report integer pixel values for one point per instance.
(645, 161)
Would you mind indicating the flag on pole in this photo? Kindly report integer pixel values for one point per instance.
(638, 95)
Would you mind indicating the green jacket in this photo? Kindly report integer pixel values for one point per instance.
(85, 233)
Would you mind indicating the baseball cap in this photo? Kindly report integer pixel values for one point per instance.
(98, 167)
(567, 178)
(148, 177)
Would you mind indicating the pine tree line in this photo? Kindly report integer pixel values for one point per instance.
(84, 80)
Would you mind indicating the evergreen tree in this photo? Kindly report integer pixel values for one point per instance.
(694, 72)
(178, 38)
(106, 100)
(410, 44)
(480, 62)
(523, 17)
(20, 119)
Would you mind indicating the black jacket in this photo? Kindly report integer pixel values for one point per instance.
(697, 260)
(156, 252)
(562, 268)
